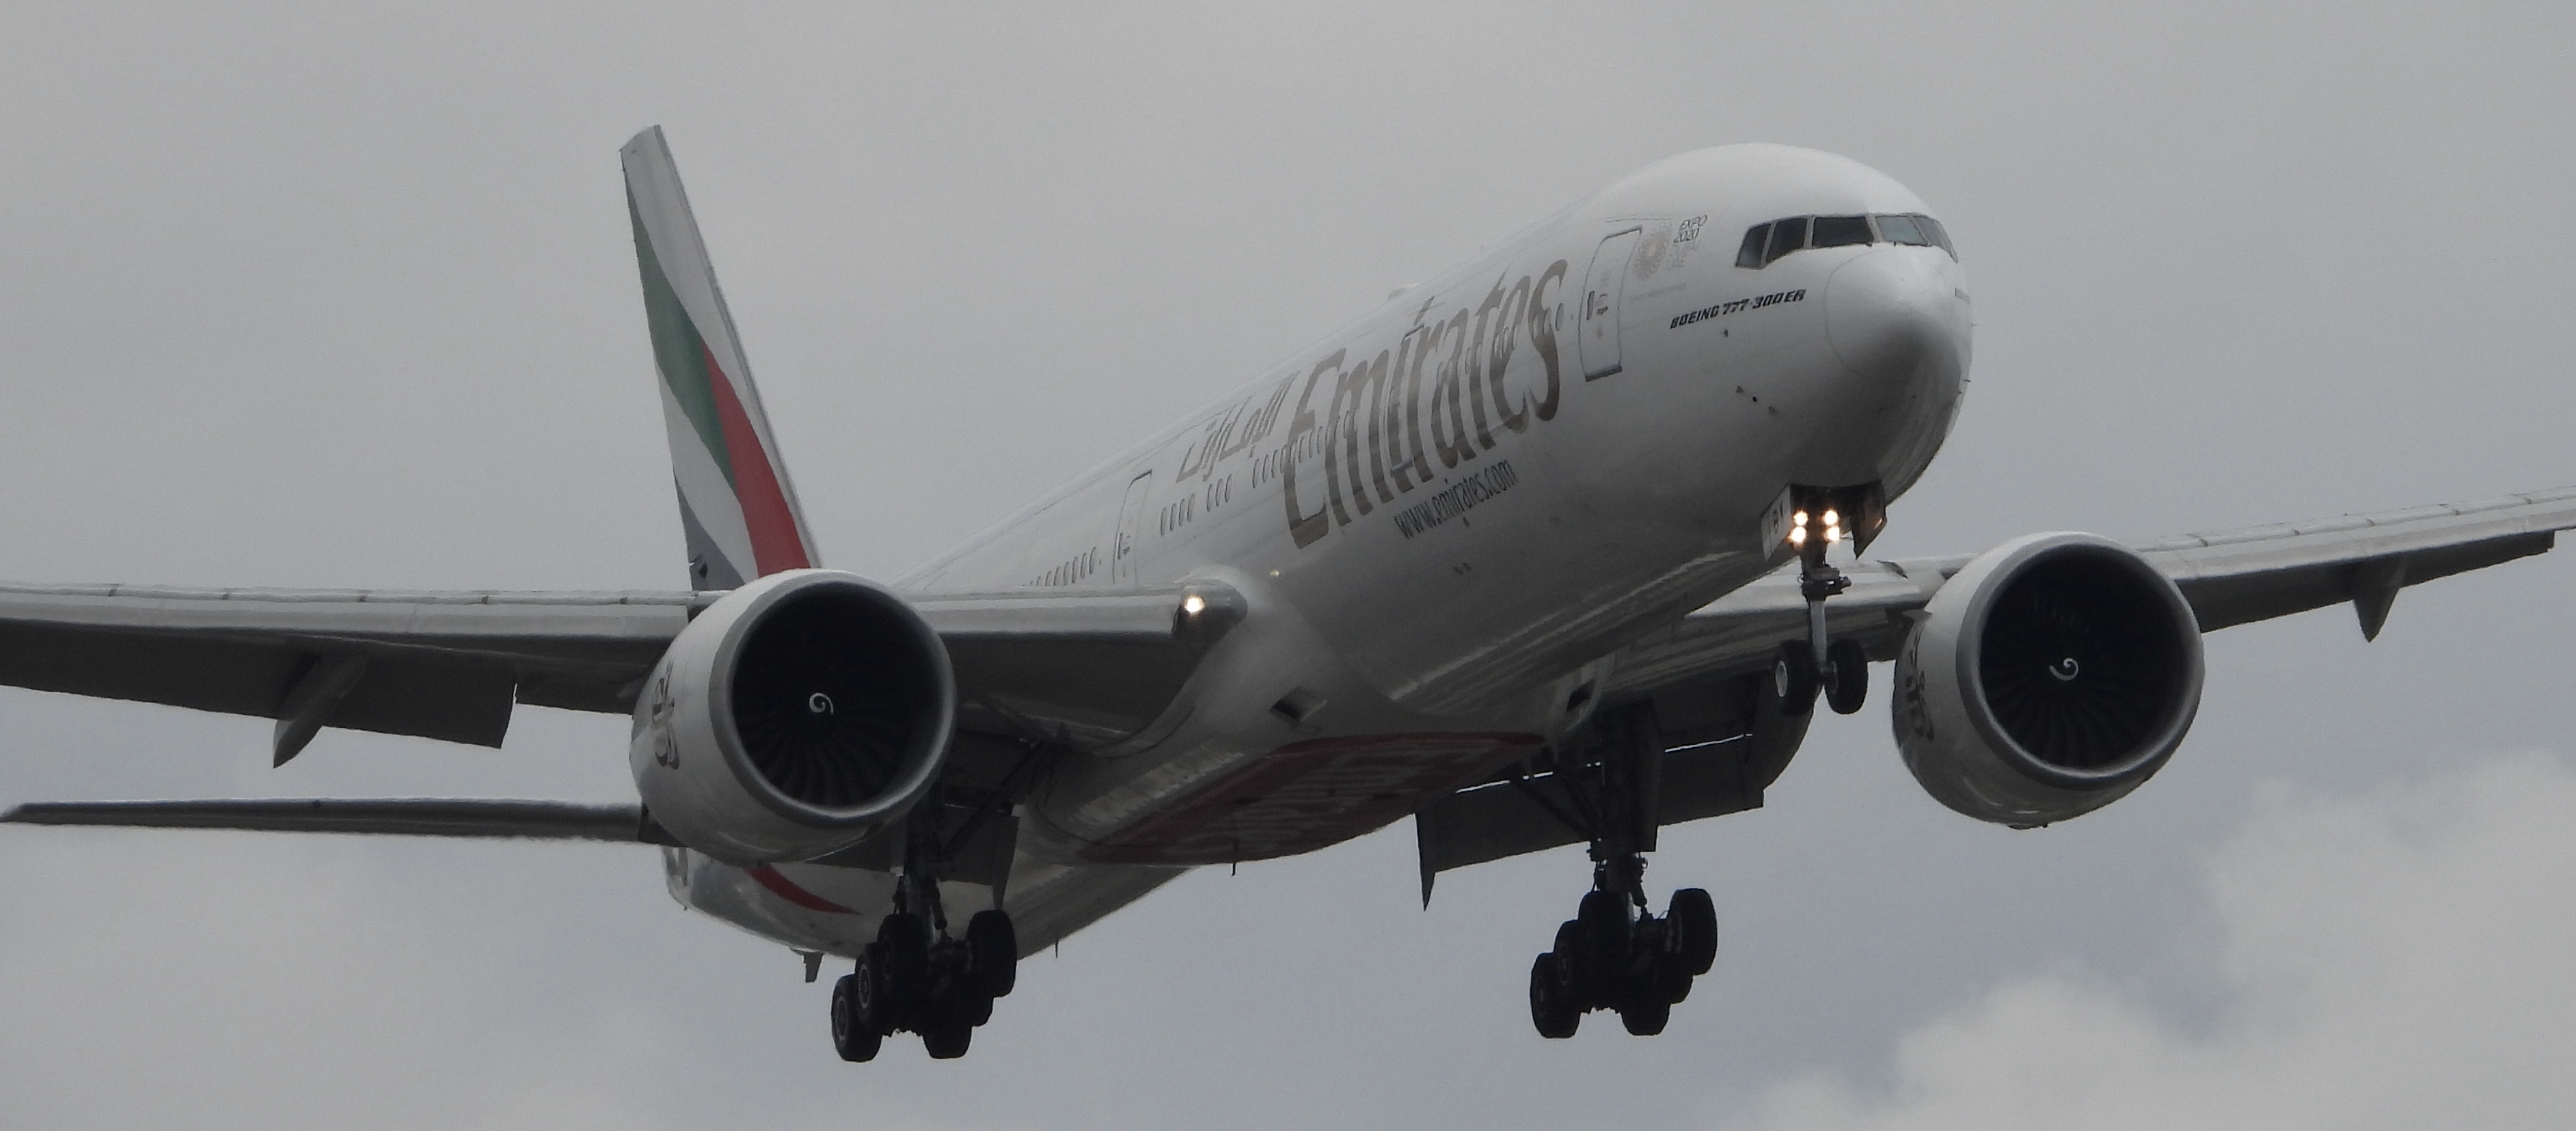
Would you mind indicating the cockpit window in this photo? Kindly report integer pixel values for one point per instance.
(1840, 231)
(1756, 238)
(1764, 243)
(1786, 236)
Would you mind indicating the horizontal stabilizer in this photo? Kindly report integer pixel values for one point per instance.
(401, 816)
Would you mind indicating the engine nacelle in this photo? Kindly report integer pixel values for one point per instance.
(792, 718)
(2047, 679)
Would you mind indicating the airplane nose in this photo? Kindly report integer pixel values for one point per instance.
(1892, 316)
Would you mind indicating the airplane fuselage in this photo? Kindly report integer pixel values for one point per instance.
(1445, 515)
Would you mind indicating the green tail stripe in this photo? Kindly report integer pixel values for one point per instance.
(678, 349)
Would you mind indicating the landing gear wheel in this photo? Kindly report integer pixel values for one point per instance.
(1645, 1013)
(871, 1002)
(851, 1036)
(1602, 962)
(903, 953)
(1793, 677)
(1694, 919)
(1849, 687)
(1672, 984)
(1552, 1009)
(993, 954)
(947, 1040)
(1569, 964)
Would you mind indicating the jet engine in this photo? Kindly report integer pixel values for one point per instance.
(796, 716)
(2047, 679)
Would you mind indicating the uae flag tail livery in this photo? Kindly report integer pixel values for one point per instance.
(736, 503)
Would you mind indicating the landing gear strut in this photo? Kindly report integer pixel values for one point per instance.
(917, 977)
(1616, 953)
(1840, 668)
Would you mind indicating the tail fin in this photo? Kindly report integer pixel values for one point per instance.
(736, 504)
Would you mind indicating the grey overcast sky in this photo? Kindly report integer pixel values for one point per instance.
(329, 294)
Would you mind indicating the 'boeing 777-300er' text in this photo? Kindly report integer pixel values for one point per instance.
(1556, 548)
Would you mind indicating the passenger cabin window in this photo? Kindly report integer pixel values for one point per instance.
(1765, 243)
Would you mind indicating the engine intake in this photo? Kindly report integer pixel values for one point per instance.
(794, 717)
(2050, 677)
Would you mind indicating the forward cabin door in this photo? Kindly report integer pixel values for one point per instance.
(1598, 337)
(1125, 543)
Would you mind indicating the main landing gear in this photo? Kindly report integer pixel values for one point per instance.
(1616, 953)
(1638, 964)
(1840, 668)
(916, 977)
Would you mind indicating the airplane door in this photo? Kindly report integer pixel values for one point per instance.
(1130, 535)
(1598, 335)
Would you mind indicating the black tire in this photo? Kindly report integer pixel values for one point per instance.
(1602, 922)
(973, 1009)
(947, 1040)
(1672, 983)
(1793, 677)
(871, 1000)
(1694, 921)
(1849, 688)
(1645, 1014)
(1551, 1009)
(851, 1036)
(903, 952)
(1569, 962)
(993, 954)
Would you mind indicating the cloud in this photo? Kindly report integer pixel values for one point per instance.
(2397, 960)
(351, 984)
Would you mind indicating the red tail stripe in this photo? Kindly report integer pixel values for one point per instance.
(775, 543)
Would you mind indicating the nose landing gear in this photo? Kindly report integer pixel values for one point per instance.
(1840, 668)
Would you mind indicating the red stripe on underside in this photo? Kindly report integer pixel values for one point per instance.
(775, 544)
(786, 889)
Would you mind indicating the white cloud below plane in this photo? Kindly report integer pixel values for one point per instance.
(2395, 960)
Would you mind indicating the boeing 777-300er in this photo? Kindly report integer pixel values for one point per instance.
(1556, 548)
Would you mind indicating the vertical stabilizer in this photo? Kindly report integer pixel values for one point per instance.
(736, 504)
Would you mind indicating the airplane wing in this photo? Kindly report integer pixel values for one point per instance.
(1702, 672)
(2230, 578)
(404, 816)
(1088, 667)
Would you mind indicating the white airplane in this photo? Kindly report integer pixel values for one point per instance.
(1556, 548)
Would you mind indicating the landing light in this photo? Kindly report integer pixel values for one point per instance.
(1800, 526)
(1193, 605)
